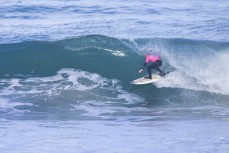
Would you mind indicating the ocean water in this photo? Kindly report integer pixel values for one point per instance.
(66, 68)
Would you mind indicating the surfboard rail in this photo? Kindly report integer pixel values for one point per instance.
(143, 80)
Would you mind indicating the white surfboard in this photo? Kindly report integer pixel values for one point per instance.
(155, 77)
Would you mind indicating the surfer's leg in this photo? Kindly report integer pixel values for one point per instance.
(158, 63)
(149, 70)
(161, 73)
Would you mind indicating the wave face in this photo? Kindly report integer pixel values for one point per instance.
(95, 71)
(198, 65)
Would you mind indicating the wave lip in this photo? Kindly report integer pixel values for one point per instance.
(196, 65)
(207, 73)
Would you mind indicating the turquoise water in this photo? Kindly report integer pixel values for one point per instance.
(66, 68)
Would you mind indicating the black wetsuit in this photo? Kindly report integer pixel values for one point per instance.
(155, 66)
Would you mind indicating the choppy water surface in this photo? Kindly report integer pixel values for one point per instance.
(65, 68)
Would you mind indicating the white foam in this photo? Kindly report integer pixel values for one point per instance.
(113, 52)
(71, 84)
(207, 71)
(10, 107)
(116, 52)
(105, 109)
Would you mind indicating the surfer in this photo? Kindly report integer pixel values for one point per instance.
(156, 63)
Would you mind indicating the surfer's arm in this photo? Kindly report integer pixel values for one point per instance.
(144, 65)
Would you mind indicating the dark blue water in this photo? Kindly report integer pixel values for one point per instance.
(60, 19)
(66, 68)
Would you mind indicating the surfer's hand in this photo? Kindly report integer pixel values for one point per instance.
(140, 71)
